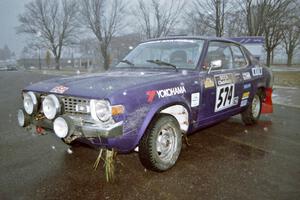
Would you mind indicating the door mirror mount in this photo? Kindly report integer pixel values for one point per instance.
(215, 64)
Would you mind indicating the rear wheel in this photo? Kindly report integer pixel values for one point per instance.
(252, 113)
(160, 146)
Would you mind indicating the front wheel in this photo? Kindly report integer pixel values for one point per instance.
(251, 115)
(160, 146)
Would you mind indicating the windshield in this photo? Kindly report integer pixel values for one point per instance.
(178, 53)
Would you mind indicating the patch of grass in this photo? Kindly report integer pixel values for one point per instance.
(288, 79)
(109, 163)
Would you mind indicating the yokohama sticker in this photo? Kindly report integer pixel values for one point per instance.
(59, 89)
(164, 93)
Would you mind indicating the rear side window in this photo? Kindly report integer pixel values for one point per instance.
(239, 59)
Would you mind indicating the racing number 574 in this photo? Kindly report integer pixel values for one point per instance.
(224, 98)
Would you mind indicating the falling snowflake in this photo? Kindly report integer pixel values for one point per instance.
(142, 73)
(184, 72)
(265, 129)
(77, 72)
(182, 83)
(246, 131)
(124, 93)
(196, 82)
(69, 151)
(53, 147)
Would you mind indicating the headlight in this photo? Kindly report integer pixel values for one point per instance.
(30, 102)
(51, 106)
(100, 110)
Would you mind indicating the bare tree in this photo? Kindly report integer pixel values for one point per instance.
(254, 13)
(104, 18)
(235, 24)
(291, 33)
(195, 23)
(211, 14)
(50, 23)
(267, 18)
(291, 39)
(275, 13)
(5, 53)
(157, 18)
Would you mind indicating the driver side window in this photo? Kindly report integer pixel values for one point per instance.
(219, 51)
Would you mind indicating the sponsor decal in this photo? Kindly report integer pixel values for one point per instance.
(247, 86)
(257, 71)
(246, 95)
(246, 76)
(237, 77)
(195, 99)
(208, 83)
(235, 101)
(244, 102)
(225, 97)
(59, 89)
(224, 79)
(164, 93)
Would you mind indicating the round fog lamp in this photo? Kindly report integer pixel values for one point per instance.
(23, 118)
(51, 106)
(30, 102)
(60, 127)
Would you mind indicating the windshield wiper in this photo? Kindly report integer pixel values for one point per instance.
(160, 62)
(127, 62)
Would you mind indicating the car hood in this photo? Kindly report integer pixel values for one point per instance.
(99, 85)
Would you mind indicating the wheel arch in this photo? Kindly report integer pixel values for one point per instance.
(183, 118)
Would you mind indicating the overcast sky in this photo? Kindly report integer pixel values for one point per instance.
(9, 11)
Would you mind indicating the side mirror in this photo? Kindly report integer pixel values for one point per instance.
(215, 64)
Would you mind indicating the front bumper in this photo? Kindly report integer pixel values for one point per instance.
(94, 130)
(79, 126)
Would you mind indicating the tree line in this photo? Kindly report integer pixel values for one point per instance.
(5, 53)
(55, 24)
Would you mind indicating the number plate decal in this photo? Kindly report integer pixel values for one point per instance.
(224, 97)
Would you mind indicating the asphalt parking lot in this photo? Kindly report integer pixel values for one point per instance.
(226, 161)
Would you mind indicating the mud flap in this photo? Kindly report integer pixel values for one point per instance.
(267, 105)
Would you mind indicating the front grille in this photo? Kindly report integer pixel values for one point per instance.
(76, 105)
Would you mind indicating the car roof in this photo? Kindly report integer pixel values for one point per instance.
(208, 38)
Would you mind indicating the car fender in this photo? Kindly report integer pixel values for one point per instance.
(157, 107)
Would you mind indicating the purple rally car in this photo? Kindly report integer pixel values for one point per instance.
(162, 90)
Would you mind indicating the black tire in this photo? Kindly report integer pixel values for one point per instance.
(156, 152)
(248, 116)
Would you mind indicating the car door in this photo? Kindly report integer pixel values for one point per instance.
(242, 66)
(221, 86)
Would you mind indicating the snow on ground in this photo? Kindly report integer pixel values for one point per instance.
(285, 69)
(288, 96)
